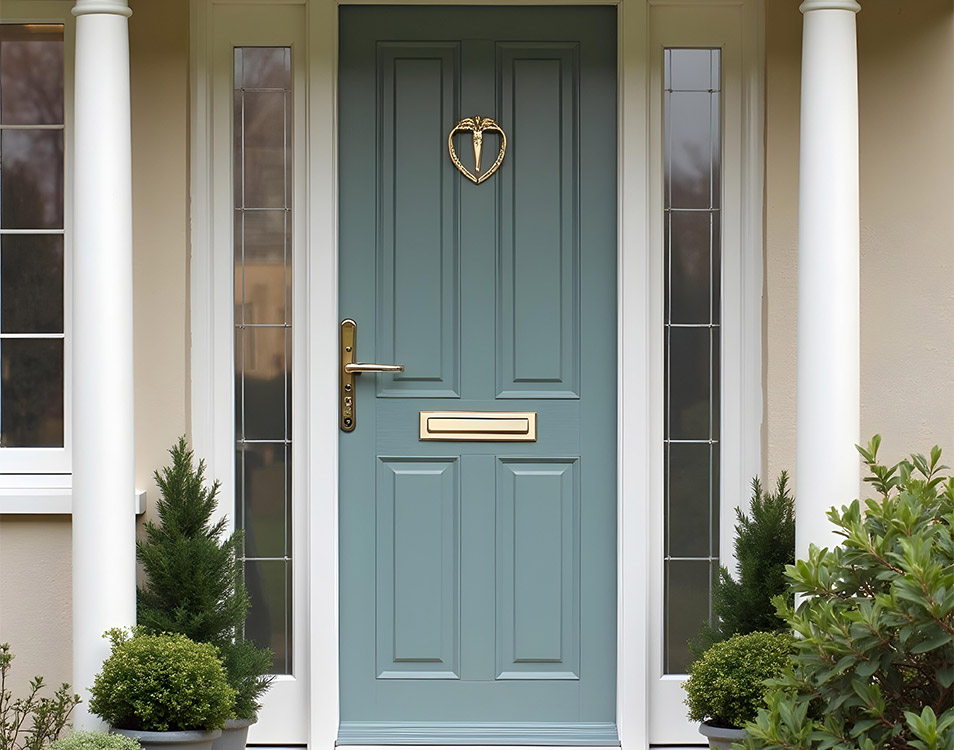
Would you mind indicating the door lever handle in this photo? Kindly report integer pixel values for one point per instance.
(349, 368)
(358, 367)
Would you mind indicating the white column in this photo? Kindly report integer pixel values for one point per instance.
(104, 525)
(828, 411)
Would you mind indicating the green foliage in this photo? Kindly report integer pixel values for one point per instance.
(764, 546)
(95, 741)
(159, 683)
(33, 722)
(874, 660)
(195, 578)
(726, 685)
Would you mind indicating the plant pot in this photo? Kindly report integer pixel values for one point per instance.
(185, 740)
(721, 738)
(234, 735)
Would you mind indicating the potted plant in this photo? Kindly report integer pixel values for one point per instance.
(164, 690)
(195, 585)
(873, 665)
(764, 545)
(726, 685)
(95, 741)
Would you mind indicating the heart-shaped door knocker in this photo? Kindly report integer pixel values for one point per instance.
(477, 126)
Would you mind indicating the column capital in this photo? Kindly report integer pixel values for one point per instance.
(810, 5)
(107, 7)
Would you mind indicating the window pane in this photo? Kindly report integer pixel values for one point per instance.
(31, 393)
(262, 242)
(269, 617)
(31, 283)
(692, 229)
(31, 179)
(31, 74)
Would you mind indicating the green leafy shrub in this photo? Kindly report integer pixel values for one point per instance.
(874, 661)
(33, 722)
(163, 682)
(195, 584)
(764, 546)
(726, 684)
(95, 741)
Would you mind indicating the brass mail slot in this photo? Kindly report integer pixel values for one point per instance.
(479, 425)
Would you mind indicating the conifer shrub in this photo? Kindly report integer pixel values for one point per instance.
(160, 683)
(95, 741)
(34, 721)
(726, 685)
(194, 577)
(764, 546)
(873, 666)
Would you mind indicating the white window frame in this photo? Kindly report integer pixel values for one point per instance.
(640, 360)
(37, 480)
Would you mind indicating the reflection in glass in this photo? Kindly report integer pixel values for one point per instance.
(692, 237)
(31, 393)
(262, 165)
(31, 74)
(31, 283)
(31, 179)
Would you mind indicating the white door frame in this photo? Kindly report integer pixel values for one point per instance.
(640, 348)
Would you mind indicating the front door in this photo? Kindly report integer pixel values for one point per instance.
(477, 571)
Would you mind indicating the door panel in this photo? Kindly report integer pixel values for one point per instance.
(478, 579)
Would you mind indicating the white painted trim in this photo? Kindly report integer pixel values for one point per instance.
(639, 344)
(48, 500)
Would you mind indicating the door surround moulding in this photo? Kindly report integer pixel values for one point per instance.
(639, 346)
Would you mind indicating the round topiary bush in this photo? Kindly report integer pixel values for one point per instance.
(164, 682)
(95, 741)
(726, 685)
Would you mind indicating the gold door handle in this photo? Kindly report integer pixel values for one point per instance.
(358, 367)
(350, 368)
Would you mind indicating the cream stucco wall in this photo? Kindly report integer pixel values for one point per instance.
(906, 91)
(35, 551)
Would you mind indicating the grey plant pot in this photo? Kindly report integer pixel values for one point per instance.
(234, 735)
(721, 738)
(185, 740)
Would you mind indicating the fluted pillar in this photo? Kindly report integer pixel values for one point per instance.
(104, 526)
(828, 410)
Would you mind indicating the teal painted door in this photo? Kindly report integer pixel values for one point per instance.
(478, 579)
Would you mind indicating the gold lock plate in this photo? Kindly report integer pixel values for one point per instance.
(348, 338)
(500, 426)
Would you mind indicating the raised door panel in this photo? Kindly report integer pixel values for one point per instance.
(418, 243)
(538, 292)
(417, 554)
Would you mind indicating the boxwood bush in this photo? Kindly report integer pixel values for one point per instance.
(161, 682)
(726, 685)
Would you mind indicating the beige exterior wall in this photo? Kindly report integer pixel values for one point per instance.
(906, 89)
(35, 551)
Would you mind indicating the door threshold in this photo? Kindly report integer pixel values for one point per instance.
(501, 734)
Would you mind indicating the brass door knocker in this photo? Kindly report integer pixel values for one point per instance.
(478, 126)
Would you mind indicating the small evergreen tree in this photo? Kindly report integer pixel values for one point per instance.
(764, 545)
(195, 579)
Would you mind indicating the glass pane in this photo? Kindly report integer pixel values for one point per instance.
(687, 607)
(691, 511)
(264, 486)
(31, 283)
(31, 74)
(689, 152)
(689, 384)
(31, 179)
(31, 393)
(688, 241)
(264, 149)
(263, 267)
(269, 618)
(264, 384)
(691, 69)
(263, 67)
